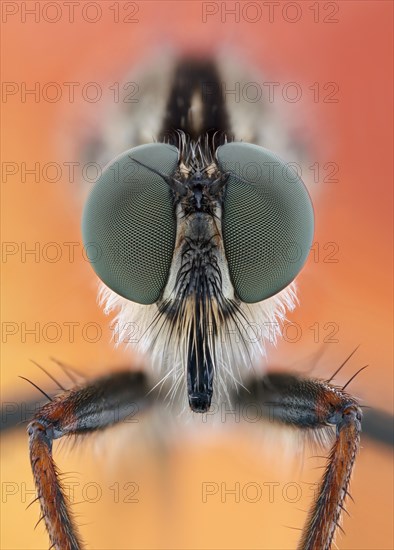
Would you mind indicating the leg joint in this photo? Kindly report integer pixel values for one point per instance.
(41, 429)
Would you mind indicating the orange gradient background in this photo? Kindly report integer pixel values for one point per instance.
(355, 293)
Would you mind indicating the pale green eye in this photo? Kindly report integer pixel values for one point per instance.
(267, 221)
(129, 225)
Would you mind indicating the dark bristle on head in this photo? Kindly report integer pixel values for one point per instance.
(194, 76)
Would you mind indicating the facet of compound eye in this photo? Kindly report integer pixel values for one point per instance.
(267, 221)
(128, 224)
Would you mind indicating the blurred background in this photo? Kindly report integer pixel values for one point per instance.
(133, 489)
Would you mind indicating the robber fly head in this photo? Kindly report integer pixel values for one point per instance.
(199, 234)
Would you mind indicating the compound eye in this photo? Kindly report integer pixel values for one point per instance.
(267, 221)
(128, 224)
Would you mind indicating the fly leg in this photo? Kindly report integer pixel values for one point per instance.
(84, 409)
(312, 404)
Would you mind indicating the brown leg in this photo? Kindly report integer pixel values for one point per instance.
(315, 404)
(106, 401)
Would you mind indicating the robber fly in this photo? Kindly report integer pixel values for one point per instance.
(199, 233)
